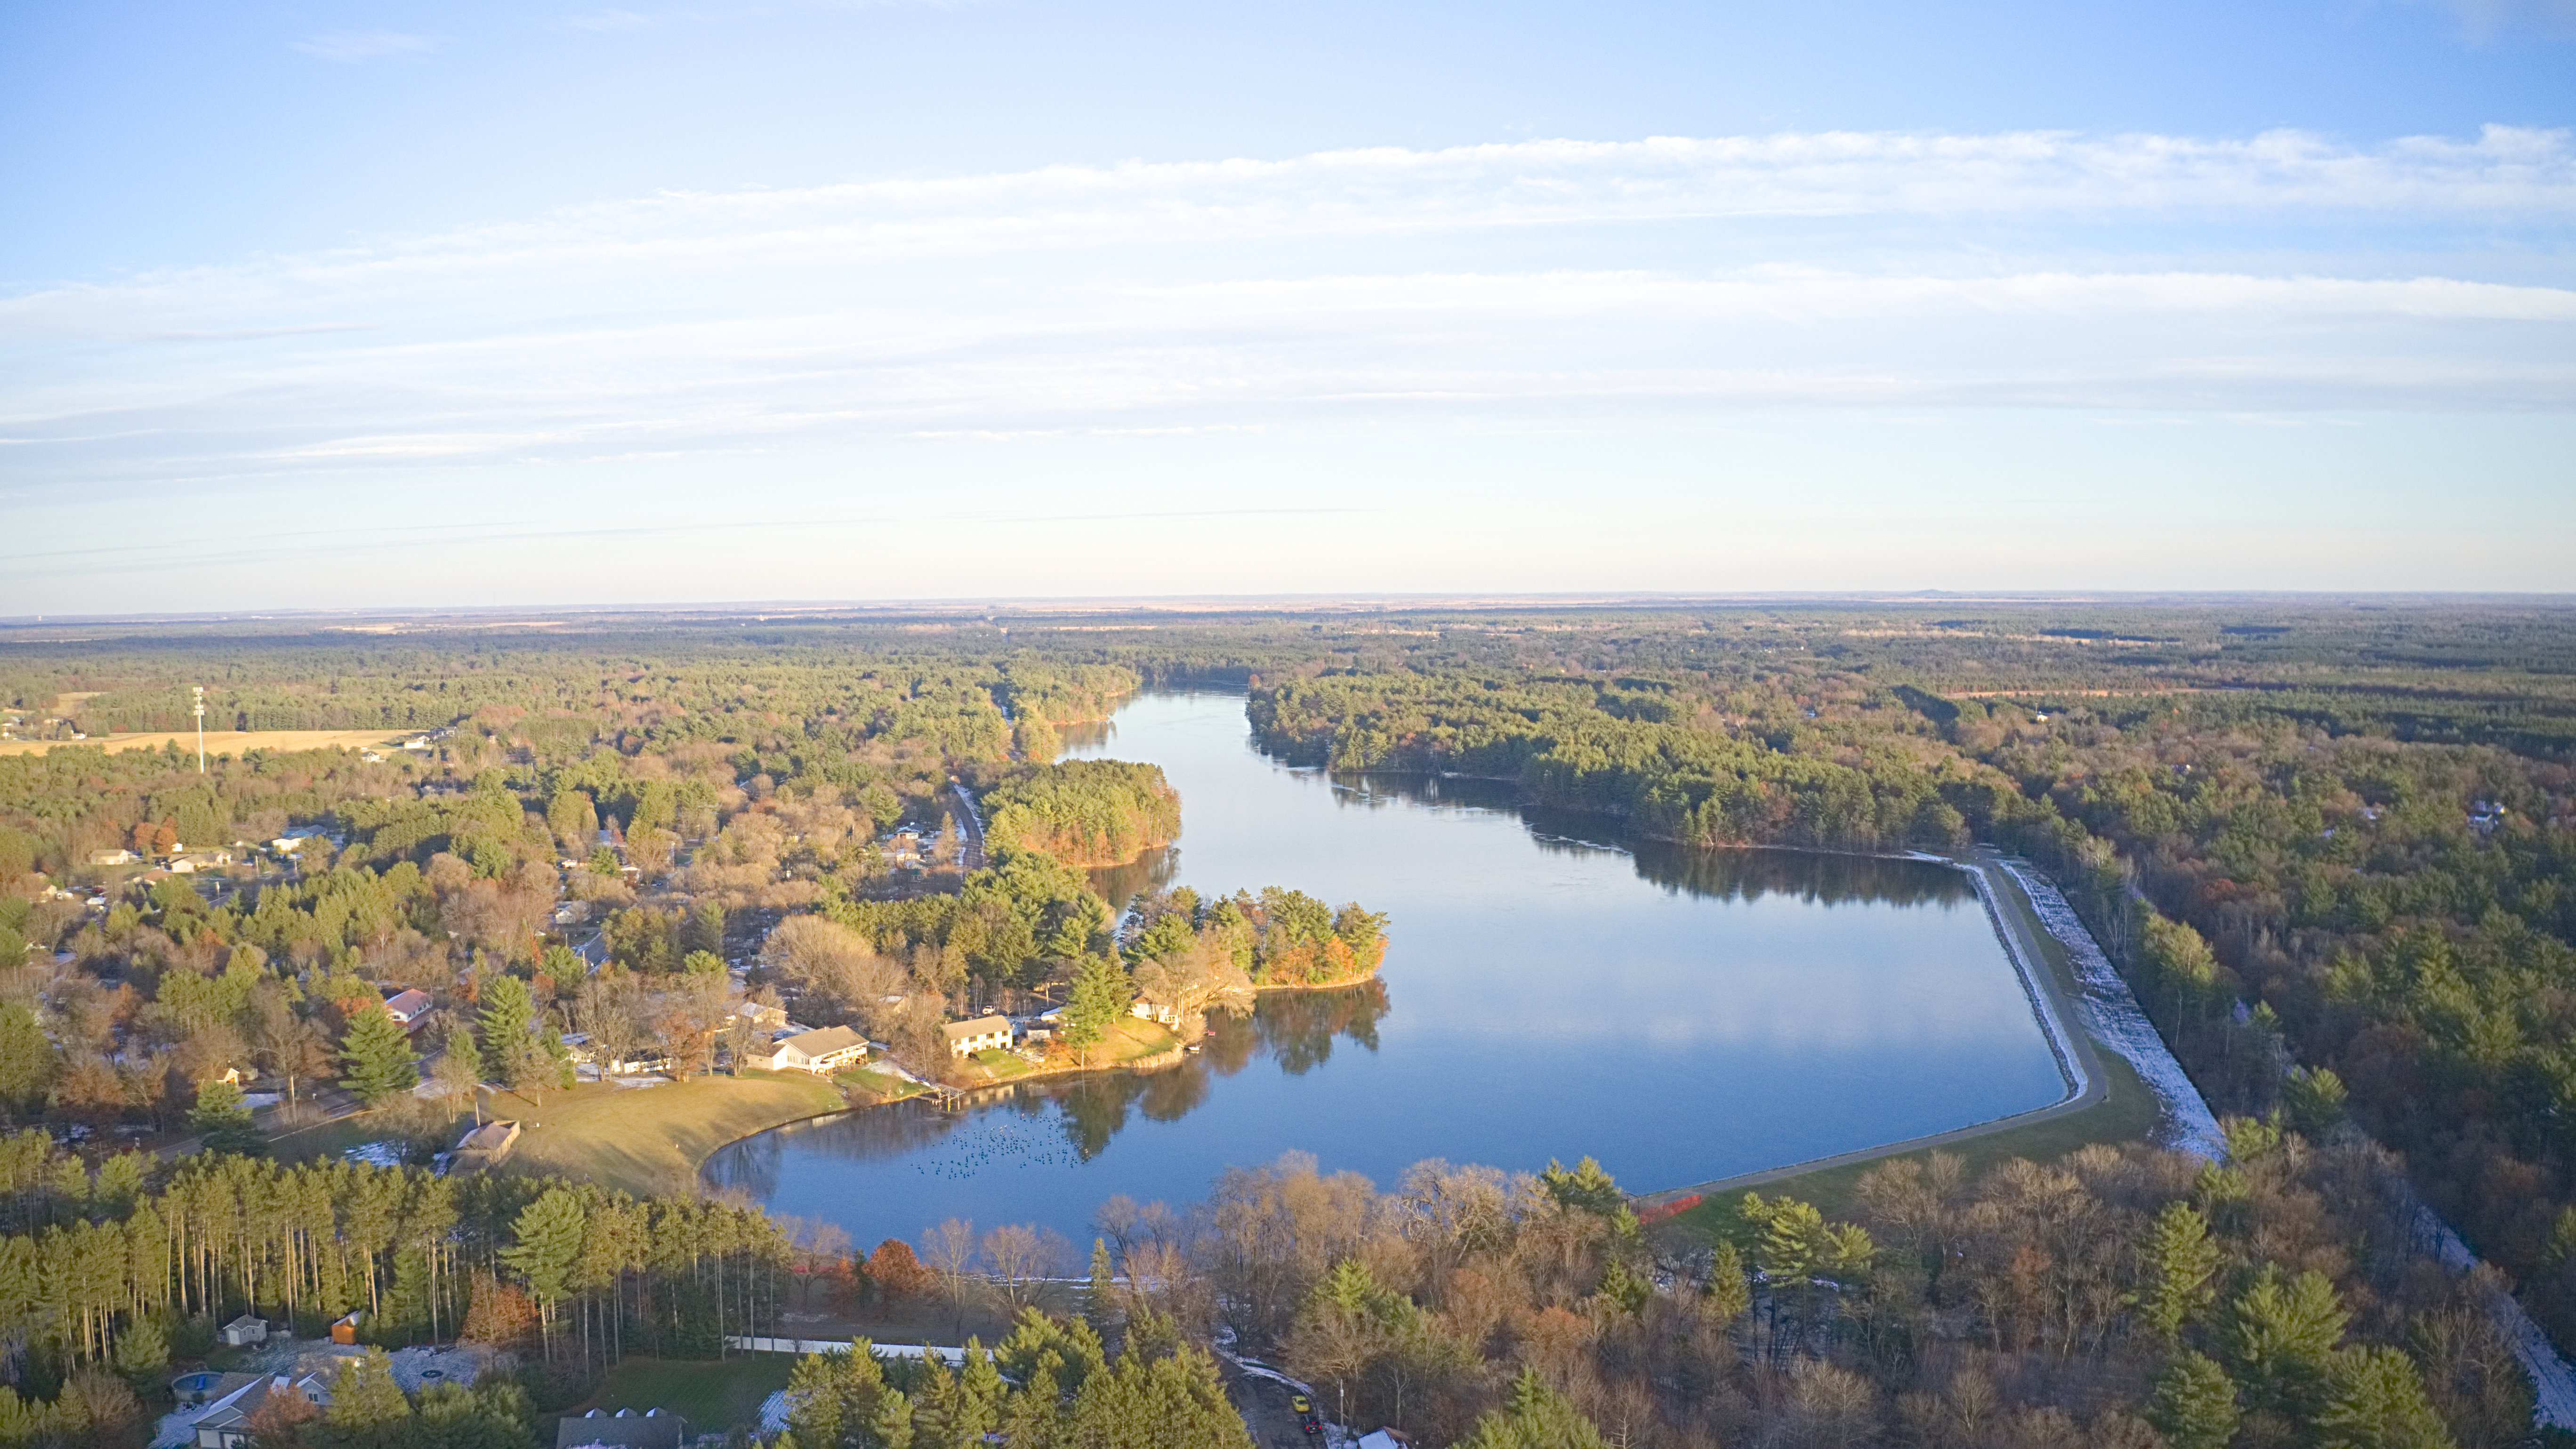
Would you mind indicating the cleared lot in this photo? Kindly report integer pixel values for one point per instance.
(218, 742)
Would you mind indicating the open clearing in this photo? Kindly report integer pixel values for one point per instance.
(218, 742)
(713, 1396)
(650, 1140)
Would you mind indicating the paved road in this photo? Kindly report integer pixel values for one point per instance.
(971, 858)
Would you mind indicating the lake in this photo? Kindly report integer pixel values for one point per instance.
(1549, 992)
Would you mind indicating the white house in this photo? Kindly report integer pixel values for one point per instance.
(246, 1330)
(227, 1424)
(819, 1052)
(965, 1038)
(407, 1006)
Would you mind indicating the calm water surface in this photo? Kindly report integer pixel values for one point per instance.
(1681, 1015)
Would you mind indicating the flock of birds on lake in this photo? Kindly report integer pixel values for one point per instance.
(999, 1139)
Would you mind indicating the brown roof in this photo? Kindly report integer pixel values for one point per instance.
(980, 1026)
(826, 1041)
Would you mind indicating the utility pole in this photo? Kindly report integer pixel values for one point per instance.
(200, 692)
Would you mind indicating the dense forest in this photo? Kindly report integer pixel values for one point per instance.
(2333, 845)
(1084, 812)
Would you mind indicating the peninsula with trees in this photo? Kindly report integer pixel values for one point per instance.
(245, 1011)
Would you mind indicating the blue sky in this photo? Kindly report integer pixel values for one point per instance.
(341, 306)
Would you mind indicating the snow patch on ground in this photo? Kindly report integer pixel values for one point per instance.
(375, 1154)
(2112, 1016)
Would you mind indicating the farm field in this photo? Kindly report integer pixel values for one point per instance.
(218, 742)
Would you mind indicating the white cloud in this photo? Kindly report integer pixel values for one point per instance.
(350, 46)
(1545, 285)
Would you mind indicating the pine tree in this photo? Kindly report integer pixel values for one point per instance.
(367, 1406)
(1101, 1310)
(26, 1057)
(378, 1057)
(459, 1072)
(2379, 1403)
(509, 1020)
(143, 1351)
(2178, 1259)
(549, 1233)
(1101, 994)
(1536, 1417)
(222, 1122)
(2284, 1337)
(1730, 1293)
(2195, 1404)
(814, 1400)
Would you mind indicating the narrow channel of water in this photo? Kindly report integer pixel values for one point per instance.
(1681, 1015)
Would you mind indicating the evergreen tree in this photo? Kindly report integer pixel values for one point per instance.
(459, 1072)
(1102, 1308)
(2177, 1260)
(1101, 995)
(1730, 1293)
(368, 1410)
(2283, 1339)
(814, 1401)
(142, 1350)
(378, 1057)
(2195, 1404)
(493, 1415)
(1535, 1417)
(509, 1022)
(26, 1057)
(549, 1233)
(2378, 1402)
(222, 1121)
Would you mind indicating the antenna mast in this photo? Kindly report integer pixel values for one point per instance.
(200, 692)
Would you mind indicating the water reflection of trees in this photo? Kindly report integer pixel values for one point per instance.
(1720, 874)
(1295, 1029)
(1812, 876)
(1298, 1030)
(1154, 871)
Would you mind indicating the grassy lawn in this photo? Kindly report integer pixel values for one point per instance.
(330, 1139)
(650, 1140)
(712, 1395)
(1130, 1038)
(1001, 1065)
(884, 1086)
(1136, 1037)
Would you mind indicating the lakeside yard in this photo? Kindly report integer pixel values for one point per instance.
(1130, 1039)
(643, 1140)
(652, 1140)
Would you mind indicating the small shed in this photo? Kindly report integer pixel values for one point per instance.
(244, 1331)
(486, 1146)
(346, 1330)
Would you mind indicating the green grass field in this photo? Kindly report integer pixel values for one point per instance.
(652, 1140)
(884, 1086)
(713, 1396)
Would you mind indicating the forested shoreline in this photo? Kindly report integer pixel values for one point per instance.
(2334, 848)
